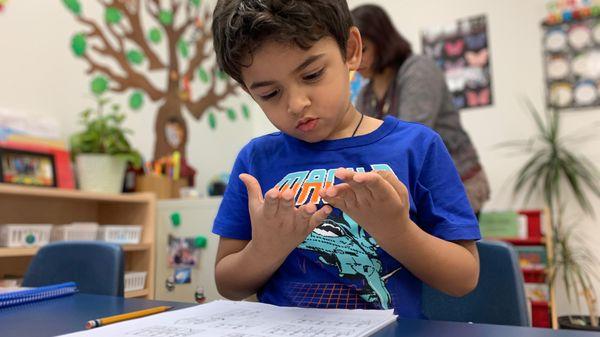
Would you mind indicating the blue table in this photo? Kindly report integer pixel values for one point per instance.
(69, 314)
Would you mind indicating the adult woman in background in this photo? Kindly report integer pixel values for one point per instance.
(412, 88)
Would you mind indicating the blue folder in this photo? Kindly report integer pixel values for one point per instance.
(37, 294)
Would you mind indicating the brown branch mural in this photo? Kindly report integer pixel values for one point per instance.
(123, 53)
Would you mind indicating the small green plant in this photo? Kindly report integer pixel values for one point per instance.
(104, 133)
(559, 175)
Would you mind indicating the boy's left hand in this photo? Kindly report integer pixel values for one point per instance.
(376, 200)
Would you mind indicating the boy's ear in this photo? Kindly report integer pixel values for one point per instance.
(354, 49)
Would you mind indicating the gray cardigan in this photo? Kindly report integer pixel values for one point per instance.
(421, 95)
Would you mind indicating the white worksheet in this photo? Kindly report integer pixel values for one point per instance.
(248, 319)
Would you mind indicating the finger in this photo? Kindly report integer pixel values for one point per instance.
(253, 187)
(304, 214)
(368, 181)
(344, 174)
(319, 216)
(340, 196)
(393, 180)
(364, 196)
(271, 205)
(286, 204)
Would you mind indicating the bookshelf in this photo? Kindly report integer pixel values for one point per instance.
(24, 204)
(539, 236)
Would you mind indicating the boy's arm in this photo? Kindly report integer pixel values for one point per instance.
(240, 270)
(278, 227)
(451, 267)
(379, 202)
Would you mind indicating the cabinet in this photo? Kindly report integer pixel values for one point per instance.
(24, 204)
(191, 220)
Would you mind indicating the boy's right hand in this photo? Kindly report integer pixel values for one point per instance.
(277, 225)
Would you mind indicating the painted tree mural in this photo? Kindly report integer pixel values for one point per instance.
(123, 53)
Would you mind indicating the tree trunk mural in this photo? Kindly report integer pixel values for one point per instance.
(124, 40)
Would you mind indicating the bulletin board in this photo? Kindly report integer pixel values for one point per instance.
(572, 63)
(462, 51)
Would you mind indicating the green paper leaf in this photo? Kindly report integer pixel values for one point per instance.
(136, 100)
(196, 2)
(183, 48)
(203, 75)
(78, 44)
(155, 35)
(135, 56)
(99, 85)
(231, 114)
(165, 17)
(245, 111)
(112, 15)
(73, 5)
(212, 120)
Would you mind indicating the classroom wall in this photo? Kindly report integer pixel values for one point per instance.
(40, 76)
(517, 71)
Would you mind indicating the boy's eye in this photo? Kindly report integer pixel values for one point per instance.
(314, 76)
(269, 95)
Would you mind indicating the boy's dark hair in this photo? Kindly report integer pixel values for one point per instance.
(391, 48)
(240, 27)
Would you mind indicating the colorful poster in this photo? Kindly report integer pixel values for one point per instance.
(572, 63)
(462, 51)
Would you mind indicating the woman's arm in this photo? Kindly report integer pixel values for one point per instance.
(420, 92)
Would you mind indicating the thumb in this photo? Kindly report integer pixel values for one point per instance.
(253, 187)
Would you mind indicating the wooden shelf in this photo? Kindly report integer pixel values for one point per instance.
(40, 205)
(137, 293)
(50, 192)
(137, 247)
(31, 251)
(14, 252)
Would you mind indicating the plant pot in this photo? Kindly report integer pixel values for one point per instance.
(100, 173)
(570, 323)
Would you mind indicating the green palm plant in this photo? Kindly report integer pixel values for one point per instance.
(559, 175)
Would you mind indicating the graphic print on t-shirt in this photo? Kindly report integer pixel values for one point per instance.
(339, 241)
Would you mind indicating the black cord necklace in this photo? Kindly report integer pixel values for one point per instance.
(357, 125)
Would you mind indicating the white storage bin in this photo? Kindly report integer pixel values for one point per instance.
(120, 234)
(135, 280)
(13, 235)
(75, 231)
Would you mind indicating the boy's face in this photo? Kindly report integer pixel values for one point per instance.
(305, 93)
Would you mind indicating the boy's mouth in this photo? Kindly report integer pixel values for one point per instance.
(307, 125)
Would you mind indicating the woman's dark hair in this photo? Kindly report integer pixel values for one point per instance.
(240, 27)
(391, 48)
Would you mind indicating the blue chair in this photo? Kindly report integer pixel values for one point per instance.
(96, 267)
(499, 297)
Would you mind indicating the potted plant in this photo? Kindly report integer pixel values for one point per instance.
(101, 151)
(560, 176)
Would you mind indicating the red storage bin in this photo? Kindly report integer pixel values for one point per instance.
(540, 314)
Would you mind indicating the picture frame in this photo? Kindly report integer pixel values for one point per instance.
(27, 168)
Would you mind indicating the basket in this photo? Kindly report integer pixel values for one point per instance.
(135, 280)
(13, 235)
(120, 234)
(75, 231)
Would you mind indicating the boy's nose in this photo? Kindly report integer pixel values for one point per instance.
(298, 102)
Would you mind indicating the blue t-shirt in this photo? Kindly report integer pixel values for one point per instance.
(339, 265)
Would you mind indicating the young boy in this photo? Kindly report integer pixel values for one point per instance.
(357, 211)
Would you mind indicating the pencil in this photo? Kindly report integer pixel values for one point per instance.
(123, 317)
